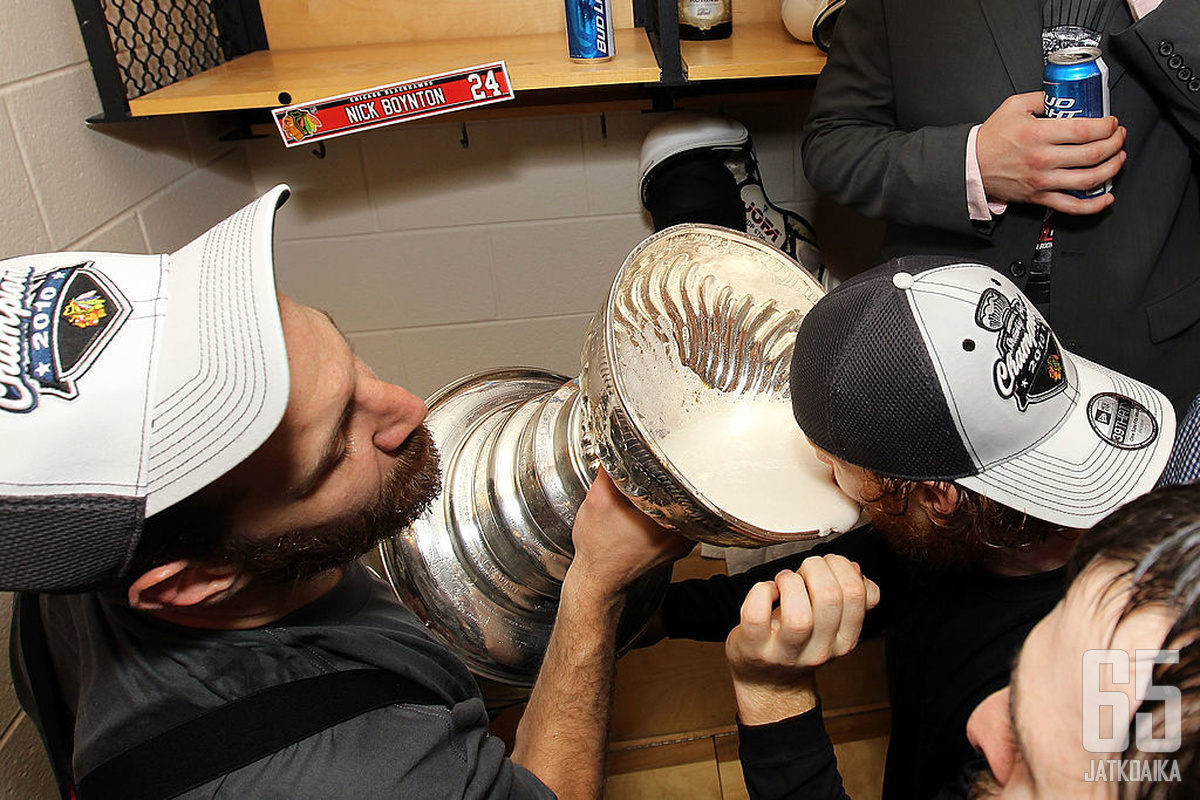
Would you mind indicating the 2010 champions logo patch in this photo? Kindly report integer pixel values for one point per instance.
(1029, 365)
(53, 325)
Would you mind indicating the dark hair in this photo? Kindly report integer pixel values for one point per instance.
(196, 527)
(1157, 537)
(976, 521)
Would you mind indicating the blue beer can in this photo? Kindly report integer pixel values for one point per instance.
(1076, 85)
(590, 31)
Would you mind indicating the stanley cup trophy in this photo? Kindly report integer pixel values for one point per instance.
(683, 398)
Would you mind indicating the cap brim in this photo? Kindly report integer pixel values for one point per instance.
(1076, 476)
(222, 380)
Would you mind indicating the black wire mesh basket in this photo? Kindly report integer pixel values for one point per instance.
(138, 46)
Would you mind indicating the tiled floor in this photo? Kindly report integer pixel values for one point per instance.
(673, 732)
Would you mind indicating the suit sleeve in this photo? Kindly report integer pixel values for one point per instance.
(1163, 48)
(853, 149)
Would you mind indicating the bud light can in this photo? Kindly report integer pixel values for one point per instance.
(1076, 85)
(590, 31)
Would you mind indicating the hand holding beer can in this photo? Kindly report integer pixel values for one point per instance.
(1075, 82)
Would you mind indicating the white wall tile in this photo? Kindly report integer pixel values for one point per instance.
(561, 267)
(434, 357)
(381, 352)
(329, 195)
(421, 177)
(81, 173)
(806, 196)
(190, 206)
(391, 280)
(613, 171)
(122, 235)
(24, 769)
(38, 36)
(22, 230)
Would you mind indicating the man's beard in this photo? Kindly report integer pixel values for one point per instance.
(407, 492)
(984, 786)
(930, 546)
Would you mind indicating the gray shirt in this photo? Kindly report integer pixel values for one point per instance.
(128, 676)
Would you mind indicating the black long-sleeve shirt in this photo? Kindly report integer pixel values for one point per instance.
(793, 759)
(951, 636)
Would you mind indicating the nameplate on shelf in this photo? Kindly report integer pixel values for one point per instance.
(396, 102)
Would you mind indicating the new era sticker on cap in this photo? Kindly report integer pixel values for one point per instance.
(1122, 421)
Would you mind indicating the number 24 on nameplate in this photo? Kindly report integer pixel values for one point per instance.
(484, 88)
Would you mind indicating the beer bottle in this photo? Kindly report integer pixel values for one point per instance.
(705, 19)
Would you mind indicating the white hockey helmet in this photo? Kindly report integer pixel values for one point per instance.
(811, 20)
(685, 132)
(684, 176)
(702, 168)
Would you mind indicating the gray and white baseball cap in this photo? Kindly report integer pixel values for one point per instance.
(931, 368)
(127, 383)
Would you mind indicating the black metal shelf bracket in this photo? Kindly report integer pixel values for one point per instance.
(660, 20)
(135, 47)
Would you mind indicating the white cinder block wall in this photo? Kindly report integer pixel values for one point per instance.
(137, 187)
(437, 260)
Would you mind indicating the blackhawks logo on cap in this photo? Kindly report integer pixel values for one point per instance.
(1029, 365)
(86, 311)
(52, 327)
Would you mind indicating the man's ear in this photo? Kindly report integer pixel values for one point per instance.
(180, 584)
(939, 498)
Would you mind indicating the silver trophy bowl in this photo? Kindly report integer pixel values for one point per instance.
(683, 398)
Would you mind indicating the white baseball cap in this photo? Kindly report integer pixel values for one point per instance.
(930, 368)
(127, 383)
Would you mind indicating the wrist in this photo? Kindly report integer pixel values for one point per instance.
(762, 703)
(583, 590)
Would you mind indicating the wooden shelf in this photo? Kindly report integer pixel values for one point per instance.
(257, 80)
(754, 50)
(536, 63)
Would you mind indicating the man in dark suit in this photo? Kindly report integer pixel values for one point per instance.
(928, 115)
